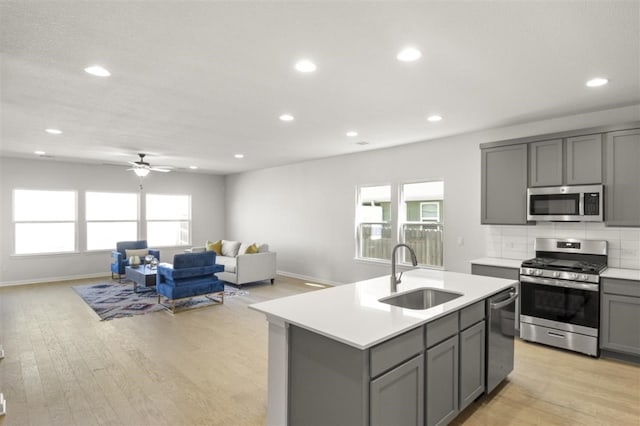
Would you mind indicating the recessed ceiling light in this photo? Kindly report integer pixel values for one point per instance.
(286, 117)
(53, 131)
(193, 167)
(409, 54)
(352, 134)
(39, 152)
(98, 71)
(305, 66)
(434, 118)
(597, 82)
(362, 143)
(239, 155)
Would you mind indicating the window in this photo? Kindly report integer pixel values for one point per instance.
(168, 220)
(44, 221)
(111, 217)
(421, 221)
(373, 220)
(430, 211)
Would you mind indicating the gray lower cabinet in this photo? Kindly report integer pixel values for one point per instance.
(545, 163)
(620, 316)
(622, 191)
(442, 382)
(504, 185)
(472, 364)
(397, 397)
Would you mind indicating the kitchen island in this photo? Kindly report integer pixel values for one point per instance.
(340, 355)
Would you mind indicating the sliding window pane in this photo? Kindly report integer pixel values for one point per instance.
(38, 238)
(105, 235)
(373, 220)
(168, 207)
(44, 206)
(168, 233)
(422, 221)
(111, 206)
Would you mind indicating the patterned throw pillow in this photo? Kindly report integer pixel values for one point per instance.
(253, 248)
(217, 247)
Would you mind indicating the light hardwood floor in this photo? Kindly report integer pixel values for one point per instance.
(209, 366)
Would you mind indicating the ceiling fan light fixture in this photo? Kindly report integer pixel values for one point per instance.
(141, 172)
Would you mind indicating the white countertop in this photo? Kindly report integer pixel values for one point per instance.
(498, 261)
(624, 274)
(351, 313)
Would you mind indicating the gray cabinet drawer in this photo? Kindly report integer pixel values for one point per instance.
(397, 350)
(623, 287)
(471, 314)
(441, 329)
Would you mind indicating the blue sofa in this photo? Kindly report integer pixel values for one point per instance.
(119, 257)
(192, 274)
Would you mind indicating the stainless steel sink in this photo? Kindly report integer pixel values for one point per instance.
(421, 298)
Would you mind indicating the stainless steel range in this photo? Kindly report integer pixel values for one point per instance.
(560, 294)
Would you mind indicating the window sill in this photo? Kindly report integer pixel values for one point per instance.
(53, 254)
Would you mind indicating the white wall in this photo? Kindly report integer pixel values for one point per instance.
(306, 211)
(207, 198)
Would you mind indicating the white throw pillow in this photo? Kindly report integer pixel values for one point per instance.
(141, 253)
(230, 248)
(263, 248)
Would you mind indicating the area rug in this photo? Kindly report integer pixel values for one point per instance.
(117, 300)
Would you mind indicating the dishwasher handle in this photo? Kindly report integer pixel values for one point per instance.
(513, 295)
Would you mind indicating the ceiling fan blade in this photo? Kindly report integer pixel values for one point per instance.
(133, 163)
(155, 169)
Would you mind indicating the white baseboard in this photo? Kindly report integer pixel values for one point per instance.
(55, 279)
(308, 278)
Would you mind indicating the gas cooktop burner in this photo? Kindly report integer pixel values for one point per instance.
(564, 265)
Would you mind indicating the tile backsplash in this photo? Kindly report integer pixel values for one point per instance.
(516, 242)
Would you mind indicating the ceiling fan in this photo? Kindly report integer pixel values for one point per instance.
(142, 168)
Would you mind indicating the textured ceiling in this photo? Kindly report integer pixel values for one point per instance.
(194, 83)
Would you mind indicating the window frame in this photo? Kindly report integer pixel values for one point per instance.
(15, 222)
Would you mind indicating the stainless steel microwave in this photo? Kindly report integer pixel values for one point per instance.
(582, 203)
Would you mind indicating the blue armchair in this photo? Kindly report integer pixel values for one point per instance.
(119, 256)
(192, 274)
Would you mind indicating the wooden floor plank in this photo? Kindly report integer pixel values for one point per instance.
(64, 366)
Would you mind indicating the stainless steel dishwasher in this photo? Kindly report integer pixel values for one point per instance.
(501, 309)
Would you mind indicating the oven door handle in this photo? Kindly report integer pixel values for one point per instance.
(560, 283)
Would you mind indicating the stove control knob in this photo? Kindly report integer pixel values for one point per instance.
(556, 274)
(538, 272)
(584, 277)
(574, 276)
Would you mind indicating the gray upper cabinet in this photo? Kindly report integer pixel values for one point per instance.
(583, 161)
(622, 177)
(545, 163)
(504, 185)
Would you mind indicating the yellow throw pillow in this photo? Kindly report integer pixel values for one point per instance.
(251, 249)
(217, 247)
